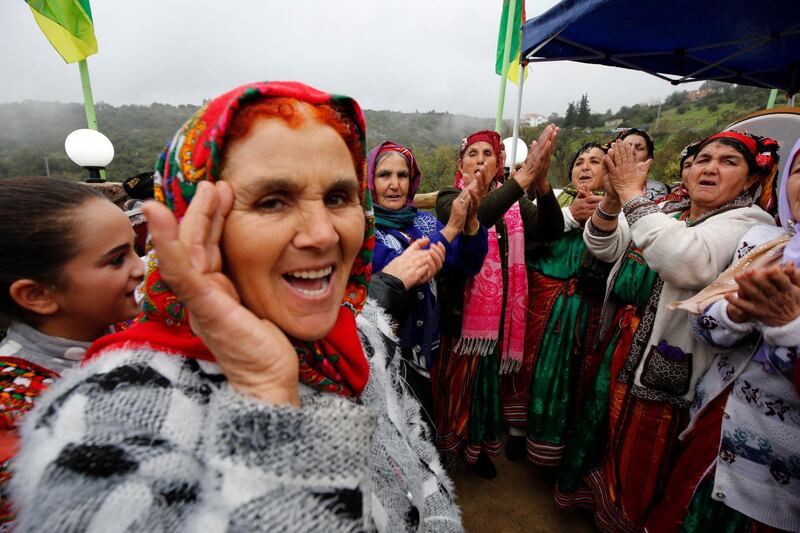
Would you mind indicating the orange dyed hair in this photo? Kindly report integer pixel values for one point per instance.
(294, 113)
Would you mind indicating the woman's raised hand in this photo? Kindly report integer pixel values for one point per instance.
(463, 210)
(537, 163)
(418, 263)
(768, 295)
(584, 205)
(255, 356)
(624, 175)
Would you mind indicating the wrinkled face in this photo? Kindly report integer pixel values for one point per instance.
(99, 282)
(296, 225)
(479, 162)
(588, 170)
(793, 187)
(687, 165)
(392, 180)
(718, 174)
(639, 144)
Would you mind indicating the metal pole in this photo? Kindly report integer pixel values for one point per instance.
(501, 98)
(517, 116)
(46, 167)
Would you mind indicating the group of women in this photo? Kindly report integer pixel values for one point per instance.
(305, 338)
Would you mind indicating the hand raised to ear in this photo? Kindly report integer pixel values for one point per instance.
(255, 356)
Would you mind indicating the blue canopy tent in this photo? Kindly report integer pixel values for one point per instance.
(750, 43)
(679, 41)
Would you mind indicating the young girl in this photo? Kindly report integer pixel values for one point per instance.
(67, 271)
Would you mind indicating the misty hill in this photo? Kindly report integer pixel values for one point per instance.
(33, 131)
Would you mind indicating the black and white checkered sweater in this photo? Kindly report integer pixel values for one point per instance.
(141, 440)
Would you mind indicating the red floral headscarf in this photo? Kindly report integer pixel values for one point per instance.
(335, 363)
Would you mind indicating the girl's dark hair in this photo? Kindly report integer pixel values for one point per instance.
(582, 150)
(37, 232)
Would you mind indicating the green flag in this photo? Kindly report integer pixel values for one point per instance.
(516, 40)
(68, 26)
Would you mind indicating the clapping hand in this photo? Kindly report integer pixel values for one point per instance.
(769, 295)
(463, 213)
(537, 163)
(584, 205)
(625, 177)
(255, 356)
(418, 263)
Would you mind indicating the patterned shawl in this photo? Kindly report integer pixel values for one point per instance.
(335, 363)
(483, 302)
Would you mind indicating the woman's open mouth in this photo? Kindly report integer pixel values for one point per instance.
(311, 283)
(707, 183)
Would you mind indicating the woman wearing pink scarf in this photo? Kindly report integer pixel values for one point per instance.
(483, 318)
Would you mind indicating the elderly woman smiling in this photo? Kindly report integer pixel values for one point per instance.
(650, 360)
(402, 233)
(260, 390)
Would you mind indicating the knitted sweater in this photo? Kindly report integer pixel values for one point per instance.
(142, 440)
(686, 258)
(758, 465)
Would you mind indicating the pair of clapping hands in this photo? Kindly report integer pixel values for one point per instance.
(624, 178)
(768, 295)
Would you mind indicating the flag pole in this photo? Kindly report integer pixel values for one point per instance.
(501, 99)
(517, 114)
(88, 101)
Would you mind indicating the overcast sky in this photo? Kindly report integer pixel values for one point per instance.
(415, 55)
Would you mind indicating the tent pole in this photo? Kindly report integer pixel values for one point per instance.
(517, 115)
(501, 99)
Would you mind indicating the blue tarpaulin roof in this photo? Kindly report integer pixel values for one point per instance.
(737, 41)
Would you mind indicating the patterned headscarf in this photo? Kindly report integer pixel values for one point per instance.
(764, 151)
(414, 172)
(335, 363)
(480, 329)
(491, 137)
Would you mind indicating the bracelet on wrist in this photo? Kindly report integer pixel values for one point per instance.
(605, 215)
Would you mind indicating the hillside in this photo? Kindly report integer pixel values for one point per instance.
(34, 131)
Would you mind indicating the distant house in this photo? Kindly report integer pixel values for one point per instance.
(693, 96)
(534, 119)
(612, 123)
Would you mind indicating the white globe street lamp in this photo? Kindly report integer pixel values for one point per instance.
(91, 150)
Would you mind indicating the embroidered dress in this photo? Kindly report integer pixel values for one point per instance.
(632, 289)
(566, 294)
(627, 432)
(30, 362)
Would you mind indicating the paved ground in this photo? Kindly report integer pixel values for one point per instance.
(519, 499)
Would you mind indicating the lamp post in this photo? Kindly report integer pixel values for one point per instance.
(91, 150)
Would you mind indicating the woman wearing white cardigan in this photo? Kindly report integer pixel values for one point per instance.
(650, 360)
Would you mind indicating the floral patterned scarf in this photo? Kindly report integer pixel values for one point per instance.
(483, 302)
(335, 363)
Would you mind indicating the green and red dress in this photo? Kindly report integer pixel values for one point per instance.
(566, 287)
